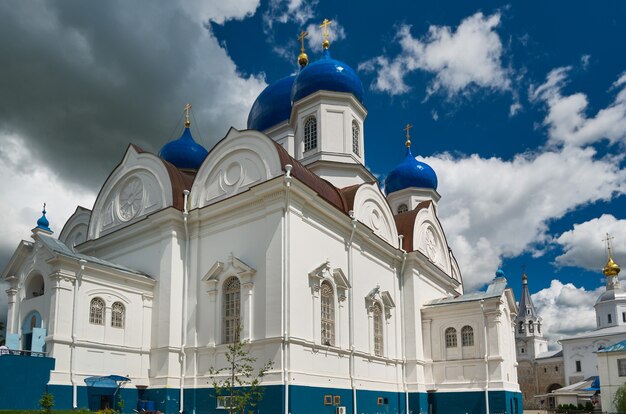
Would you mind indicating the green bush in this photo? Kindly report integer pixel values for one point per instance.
(46, 402)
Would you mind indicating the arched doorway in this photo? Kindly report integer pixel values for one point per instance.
(32, 333)
(553, 387)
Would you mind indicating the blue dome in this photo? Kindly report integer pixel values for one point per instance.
(499, 272)
(43, 222)
(410, 173)
(326, 74)
(272, 106)
(184, 152)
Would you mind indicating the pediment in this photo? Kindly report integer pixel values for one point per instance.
(371, 208)
(240, 160)
(139, 185)
(231, 267)
(429, 239)
(75, 230)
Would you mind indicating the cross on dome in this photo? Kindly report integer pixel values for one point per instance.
(407, 128)
(303, 59)
(187, 108)
(324, 26)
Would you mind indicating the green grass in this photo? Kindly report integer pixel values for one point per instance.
(79, 411)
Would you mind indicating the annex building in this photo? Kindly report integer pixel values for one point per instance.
(352, 292)
(572, 375)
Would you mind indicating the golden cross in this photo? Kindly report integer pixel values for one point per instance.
(303, 34)
(407, 128)
(187, 108)
(324, 26)
(608, 239)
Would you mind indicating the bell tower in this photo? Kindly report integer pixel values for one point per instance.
(528, 334)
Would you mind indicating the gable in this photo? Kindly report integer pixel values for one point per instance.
(139, 185)
(75, 230)
(371, 208)
(429, 239)
(240, 160)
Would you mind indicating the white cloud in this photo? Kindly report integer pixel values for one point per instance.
(500, 208)
(567, 121)
(335, 32)
(583, 245)
(584, 61)
(25, 186)
(220, 11)
(460, 60)
(560, 299)
(283, 11)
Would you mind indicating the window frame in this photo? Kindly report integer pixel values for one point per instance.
(450, 338)
(309, 136)
(356, 138)
(97, 319)
(118, 317)
(467, 336)
(327, 313)
(578, 365)
(621, 367)
(231, 316)
(378, 331)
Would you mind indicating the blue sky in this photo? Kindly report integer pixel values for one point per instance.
(519, 107)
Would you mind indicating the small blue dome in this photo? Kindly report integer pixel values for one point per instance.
(272, 106)
(326, 74)
(43, 222)
(184, 152)
(410, 173)
(499, 272)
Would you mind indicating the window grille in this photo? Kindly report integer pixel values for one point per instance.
(118, 312)
(310, 134)
(467, 336)
(355, 137)
(621, 367)
(378, 330)
(451, 340)
(96, 311)
(328, 314)
(232, 307)
(402, 208)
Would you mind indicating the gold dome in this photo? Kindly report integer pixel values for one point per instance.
(611, 268)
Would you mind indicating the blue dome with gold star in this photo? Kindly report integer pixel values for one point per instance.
(272, 106)
(410, 173)
(185, 152)
(326, 74)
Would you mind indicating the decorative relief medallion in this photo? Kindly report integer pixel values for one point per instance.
(431, 244)
(130, 199)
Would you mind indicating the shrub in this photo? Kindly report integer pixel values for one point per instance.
(46, 402)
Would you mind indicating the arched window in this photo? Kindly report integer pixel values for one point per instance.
(521, 327)
(538, 327)
(467, 336)
(328, 314)
(355, 137)
(118, 313)
(531, 327)
(232, 307)
(378, 329)
(96, 311)
(310, 133)
(402, 208)
(451, 338)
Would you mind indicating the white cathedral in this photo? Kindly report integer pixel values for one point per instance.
(354, 294)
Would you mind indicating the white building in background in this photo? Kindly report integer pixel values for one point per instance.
(612, 369)
(354, 294)
(579, 351)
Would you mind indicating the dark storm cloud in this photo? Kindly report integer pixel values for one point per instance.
(80, 80)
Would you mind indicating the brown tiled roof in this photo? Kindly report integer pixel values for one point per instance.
(349, 193)
(322, 187)
(405, 222)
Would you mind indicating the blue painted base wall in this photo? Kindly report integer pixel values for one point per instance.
(24, 380)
